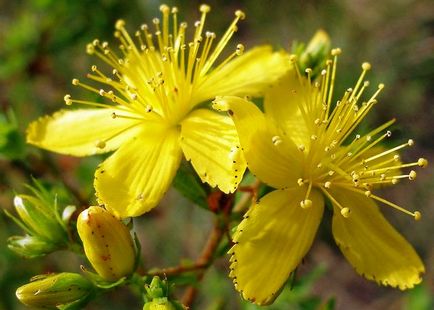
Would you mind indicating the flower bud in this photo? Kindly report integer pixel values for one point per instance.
(55, 290)
(38, 216)
(107, 243)
(30, 246)
(315, 54)
(157, 294)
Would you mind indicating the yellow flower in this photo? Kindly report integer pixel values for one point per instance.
(307, 149)
(158, 82)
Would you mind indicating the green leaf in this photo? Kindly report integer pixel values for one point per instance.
(190, 186)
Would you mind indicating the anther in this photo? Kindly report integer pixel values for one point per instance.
(314, 137)
(67, 99)
(276, 140)
(336, 51)
(174, 10)
(368, 193)
(155, 21)
(148, 108)
(410, 142)
(345, 212)
(114, 115)
(306, 204)
(417, 215)
(380, 86)
(301, 148)
(240, 49)
(120, 24)
(327, 184)
(412, 175)
(300, 182)
(94, 68)
(164, 8)
(293, 58)
(388, 133)
(101, 92)
(366, 66)
(204, 8)
(308, 70)
(75, 82)
(422, 162)
(240, 14)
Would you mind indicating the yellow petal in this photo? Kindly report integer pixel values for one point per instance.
(248, 74)
(134, 179)
(281, 104)
(374, 248)
(277, 164)
(79, 132)
(271, 241)
(210, 141)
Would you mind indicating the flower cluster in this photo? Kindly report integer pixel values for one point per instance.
(154, 111)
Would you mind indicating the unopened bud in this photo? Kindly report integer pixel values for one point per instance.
(55, 290)
(107, 243)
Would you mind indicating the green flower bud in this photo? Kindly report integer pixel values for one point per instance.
(315, 54)
(160, 304)
(107, 243)
(30, 246)
(55, 290)
(39, 218)
(157, 294)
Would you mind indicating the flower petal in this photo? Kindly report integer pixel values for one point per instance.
(77, 132)
(374, 248)
(281, 104)
(134, 179)
(248, 74)
(271, 241)
(276, 164)
(211, 142)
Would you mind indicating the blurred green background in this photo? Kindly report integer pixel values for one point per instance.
(42, 47)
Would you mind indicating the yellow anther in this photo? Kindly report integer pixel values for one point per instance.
(308, 70)
(327, 184)
(336, 51)
(204, 8)
(306, 204)
(422, 162)
(114, 115)
(300, 182)
(67, 99)
(293, 58)
(174, 10)
(94, 68)
(366, 66)
(412, 175)
(164, 8)
(240, 49)
(368, 193)
(75, 82)
(240, 14)
(417, 215)
(345, 212)
(410, 142)
(148, 108)
(380, 86)
(90, 49)
(120, 24)
(301, 148)
(276, 140)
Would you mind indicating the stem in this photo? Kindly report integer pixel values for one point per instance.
(205, 259)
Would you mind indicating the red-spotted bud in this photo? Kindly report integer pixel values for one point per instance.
(55, 290)
(107, 243)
